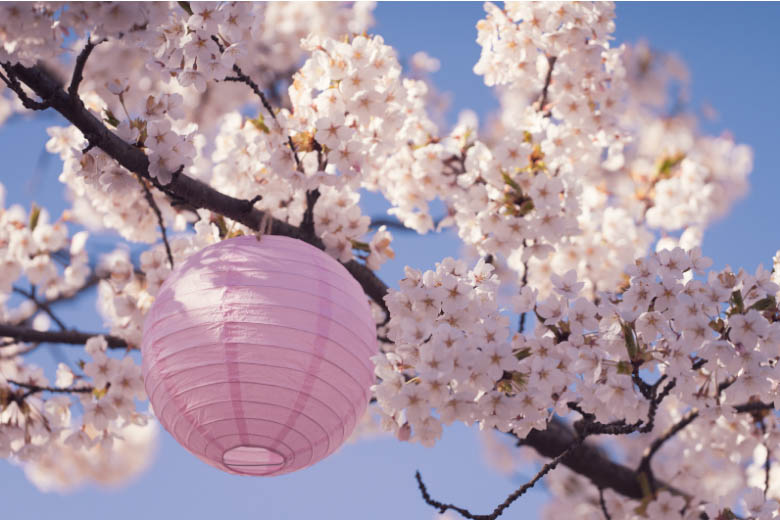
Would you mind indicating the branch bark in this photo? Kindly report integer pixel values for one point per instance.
(70, 337)
(193, 191)
(588, 461)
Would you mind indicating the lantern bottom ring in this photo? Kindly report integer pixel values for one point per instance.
(253, 460)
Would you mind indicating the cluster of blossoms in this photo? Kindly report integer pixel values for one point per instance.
(351, 98)
(576, 179)
(596, 119)
(435, 360)
(60, 449)
(32, 247)
(714, 335)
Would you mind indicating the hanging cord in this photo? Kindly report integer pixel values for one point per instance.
(265, 227)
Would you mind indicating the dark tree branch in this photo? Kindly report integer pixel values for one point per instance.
(41, 305)
(442, 507)
(655, 401)
(307, 225)
(13, 84)
(547, 80)
(524, 282)
(241, 77)
(644, 464)
(753, 407)
(767, 468)
(78, 69)
(584, 428)
(90, 282)
(603, 505)
(34, 389)
(768, 461)
(588, 461)
(70, 337)
(156, 209)
(182, 187)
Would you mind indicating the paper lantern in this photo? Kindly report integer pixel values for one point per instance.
(256, 355)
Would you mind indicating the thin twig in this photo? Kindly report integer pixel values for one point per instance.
(588, 461)
(644, 464)
(767, 468)
(442, 507)
(41, 305)
(78, 69)
(156, 209)
(34, 389)
(586, 427)
(547, 80)
(655, 402)
(767, 462)
(603, 504)
(524, 282)
(241, 77)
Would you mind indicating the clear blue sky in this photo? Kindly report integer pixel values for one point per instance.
(731, 50)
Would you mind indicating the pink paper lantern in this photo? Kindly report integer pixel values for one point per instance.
(256, 355)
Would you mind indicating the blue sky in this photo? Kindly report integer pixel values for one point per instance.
(731, 50)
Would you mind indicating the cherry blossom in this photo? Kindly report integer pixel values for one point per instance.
(583, 308)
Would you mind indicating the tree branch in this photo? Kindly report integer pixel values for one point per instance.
(587, 460)
(603, 505)
(78, 69)
(442, 507)
(195, 192)
(644, 464)
(241, 77)
(70, 337)
(41, 305)
(307, 225)
(547, 80)
(34, 389)
(584, 428)
(13, 84)
(156, 209)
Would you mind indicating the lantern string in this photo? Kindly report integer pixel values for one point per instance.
(265, 227)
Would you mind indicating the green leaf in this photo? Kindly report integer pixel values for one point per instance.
(220, 222)
(624, 368)
(525, 208)
(35, 213)
(523, 353)
(631, 347)
(360, 246)
(737, 302)
(509, 181)
(764, 304)
(110, 118)
(259, 123)
(669, 162)
(519, 379)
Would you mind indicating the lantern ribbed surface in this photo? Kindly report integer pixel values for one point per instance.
(256, 355)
